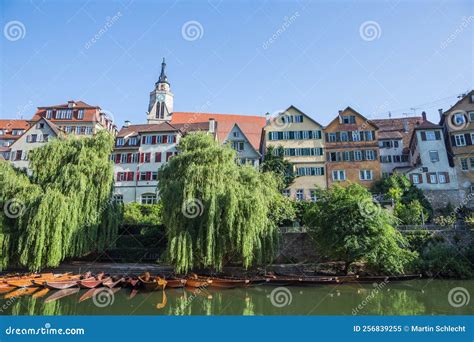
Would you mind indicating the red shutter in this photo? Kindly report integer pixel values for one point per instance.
(428, 178)
(148, 157)
(168, 155)
(165, 139)
(446, 175)
(117, 158)
(158, 157)
(420, 177)
(141, 157)
(174, 138)
(153, 139)
(138, 175)
(148, 176)
(129, 157)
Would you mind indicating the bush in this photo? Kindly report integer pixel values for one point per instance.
(444, 261)
(142, 214)
(445, 221)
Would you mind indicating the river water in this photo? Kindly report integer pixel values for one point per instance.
(416, 297)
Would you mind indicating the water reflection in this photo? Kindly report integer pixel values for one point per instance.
(417, 297)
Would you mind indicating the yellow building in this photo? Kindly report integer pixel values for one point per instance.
(302, 140)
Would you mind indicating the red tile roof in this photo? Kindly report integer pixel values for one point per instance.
(9, 125)
(146, 128)
(250, 125)
(388, 128)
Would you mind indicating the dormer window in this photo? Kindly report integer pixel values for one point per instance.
(132, 141)
(120, 141)
(348, 119)
(49, 114)
(80, 114)
(2, 132)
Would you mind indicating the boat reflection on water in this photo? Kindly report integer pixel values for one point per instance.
(416, 297)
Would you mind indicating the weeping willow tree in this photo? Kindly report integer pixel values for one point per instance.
(214, 210)
(65, 208)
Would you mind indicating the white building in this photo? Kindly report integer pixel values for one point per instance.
(36, 136)
(430, 169)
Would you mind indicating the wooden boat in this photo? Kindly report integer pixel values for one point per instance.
(300, 281)
(223, 283)
(89, 283)
(61, 284)
(375, 279)
(195, 281)
(20, 283)
(153, 284)
(22, 291)
(40, 293)
(110, 283)
(88, 294)
(176, 282)
(7, 289)
(61, 294)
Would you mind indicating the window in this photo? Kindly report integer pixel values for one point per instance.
(300, 194)
(78, 129)
(332, 137)
(442, 177)
(313, 195)
(370, 155)
(40, 125)
(148, 199)
(49, 114)
(344, 136)
(236, 134)
(17, 132)
(118, 198)
(385, 144)
(45, 137)
(339, 175)
(430, 135)
(471, 161)
(369, 135)
(348, 119)
(298, 118)
(310, 171)
(132, 141)
(460, 140)
(434, 156)
(120, 141)
(471, 116)
(358, 155)
(286, 192)
(355, 136)
(433, 178)
(415, 178)
(365, 175)
(385, 159)
(238, 145)
(80, 114)
(154, 176)
(88, 130)
(464, 165)
(147, 157)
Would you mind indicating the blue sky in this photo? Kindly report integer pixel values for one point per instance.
(248, 57)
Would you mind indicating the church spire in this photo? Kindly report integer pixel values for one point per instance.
(163, 78)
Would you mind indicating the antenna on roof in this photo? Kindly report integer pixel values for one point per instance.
(414, 110)
(389, 115)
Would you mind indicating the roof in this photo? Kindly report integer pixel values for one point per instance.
(9, 125)
(91, 113)
(146, 128)
(250, 125)
(53, 127)
(469, 94)
(349, 108)
(387, 127)
(428, 125)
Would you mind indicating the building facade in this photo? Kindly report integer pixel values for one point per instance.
(10, 131)
(352, 151)
(38, 134)
(77, 117)
(303, 144)
(458, 126)
(394, 143)
(430, 169)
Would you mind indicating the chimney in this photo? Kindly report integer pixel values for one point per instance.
(340, 117)
(423, 115)
(212, 125)
(71, 104)
(440, 111)
(405, 125)
(127, 123)
(267, 117)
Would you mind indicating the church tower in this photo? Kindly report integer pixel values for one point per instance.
(161, 99)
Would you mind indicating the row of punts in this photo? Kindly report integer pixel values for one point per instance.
(38, 285)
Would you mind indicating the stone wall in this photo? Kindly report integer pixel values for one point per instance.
(440, 198)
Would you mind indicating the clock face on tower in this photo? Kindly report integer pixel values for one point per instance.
(160, 97)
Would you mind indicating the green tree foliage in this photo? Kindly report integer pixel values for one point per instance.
(66, 207)
(348, 226)
(276, 163)
(142, 214)
(215, 210)
(398, 188)
(410, 213)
